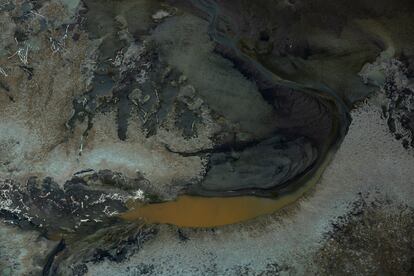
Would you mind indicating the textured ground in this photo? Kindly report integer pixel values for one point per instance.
(373, 202)
(289, 241)
(107, 102)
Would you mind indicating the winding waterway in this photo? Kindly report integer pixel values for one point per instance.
(209, 210)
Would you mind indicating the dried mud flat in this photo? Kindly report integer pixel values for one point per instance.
(355, 222)
(106, 106)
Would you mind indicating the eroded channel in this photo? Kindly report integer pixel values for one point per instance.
(192, 113)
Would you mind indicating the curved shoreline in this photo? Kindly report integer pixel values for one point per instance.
(201, 212)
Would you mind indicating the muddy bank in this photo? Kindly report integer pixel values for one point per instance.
(138, 110)
(110, 105)
(371, 165)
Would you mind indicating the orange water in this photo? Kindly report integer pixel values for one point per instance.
(194, 211)
(190, 211)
